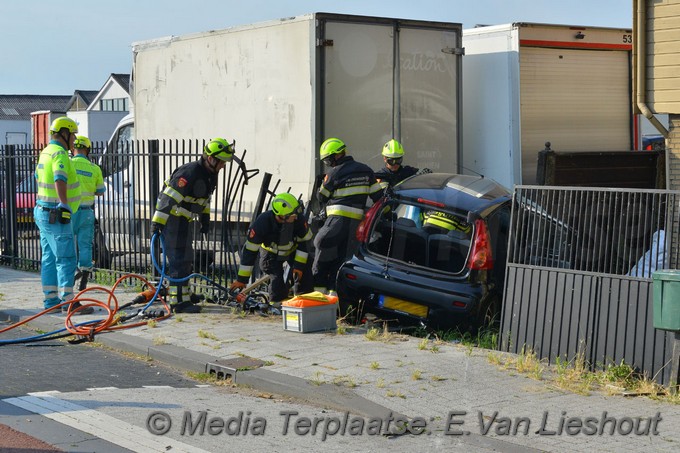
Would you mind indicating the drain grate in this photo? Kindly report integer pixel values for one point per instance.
(227, 368)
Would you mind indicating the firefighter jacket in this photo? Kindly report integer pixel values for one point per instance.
(346, 186)
(281, 239)
(387, 177)
(187, 193)
(446, 222)
(53, 165)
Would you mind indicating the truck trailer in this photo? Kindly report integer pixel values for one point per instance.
(527, 84)
(279, 88)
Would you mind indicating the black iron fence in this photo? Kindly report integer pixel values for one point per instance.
(133, 176)
(579, 275)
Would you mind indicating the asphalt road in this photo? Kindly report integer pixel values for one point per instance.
(58, 365)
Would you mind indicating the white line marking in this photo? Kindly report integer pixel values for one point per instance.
(98, 424)
(94, 389)
(157, 387)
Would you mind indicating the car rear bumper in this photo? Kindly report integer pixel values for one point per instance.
(409, 298)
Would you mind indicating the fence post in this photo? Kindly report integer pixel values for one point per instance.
(11, 227)
(154, 190)
(545, 171)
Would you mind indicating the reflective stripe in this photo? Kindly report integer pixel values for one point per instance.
(160, 217)
(376, 187)
(245, 271)
(181, 212)
(172, 193)
(281, 250)
(349, 191)
(325, 192)
(252, 246)
(383, 184)
(306, 237)
(301, 257)
(345, 211)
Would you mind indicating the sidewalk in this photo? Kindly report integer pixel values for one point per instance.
(371, 378)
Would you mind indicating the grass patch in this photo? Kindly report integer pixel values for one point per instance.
(209, 335)
(416, 375)
(375, 366)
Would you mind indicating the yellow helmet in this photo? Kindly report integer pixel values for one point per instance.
(82, 142)
(219, 148)
(63, 122)
(393, 149)
(331, 146)
(285, 204)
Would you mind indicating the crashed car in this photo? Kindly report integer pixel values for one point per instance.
(432, 254)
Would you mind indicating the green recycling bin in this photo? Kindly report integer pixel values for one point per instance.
(666, 289)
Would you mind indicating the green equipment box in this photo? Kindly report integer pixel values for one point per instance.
(666, 289)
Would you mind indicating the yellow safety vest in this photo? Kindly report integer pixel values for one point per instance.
(54, 164)
(90, 176)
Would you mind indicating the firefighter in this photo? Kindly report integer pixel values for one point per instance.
(57, 199)
(393, 172)
(280, 235)
(91, 184)
(184, 200)
(344, 192)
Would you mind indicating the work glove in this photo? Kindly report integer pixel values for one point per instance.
(205, 223)
(156, 228)
(64, 213)
(297, 275)
(236, 288)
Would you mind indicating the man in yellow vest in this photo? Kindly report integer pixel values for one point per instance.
(57, 198)
(91, 184)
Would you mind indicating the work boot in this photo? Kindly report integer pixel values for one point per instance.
(185, 307)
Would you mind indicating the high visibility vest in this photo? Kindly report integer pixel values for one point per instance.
(90, 177)
(54, 164)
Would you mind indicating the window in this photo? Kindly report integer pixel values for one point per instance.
(114, 105)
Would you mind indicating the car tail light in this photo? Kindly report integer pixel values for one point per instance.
(365, 225)
(481, 257)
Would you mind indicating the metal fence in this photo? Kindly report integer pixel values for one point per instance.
(579, 275)
(133, 177)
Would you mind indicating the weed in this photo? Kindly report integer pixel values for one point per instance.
(416, 375)
(434, 348)
(380, 383)
(317, 379)
(423, 344)
(268, 363)
(159, 340)
(152, 323)
(438, 378)
(203, 334)
(393, 393)
(372, 334)
(375, 366)
(282, 356)
(178, 318)
(341, 329)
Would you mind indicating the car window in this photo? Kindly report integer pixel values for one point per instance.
(421, 236)
(117, 155)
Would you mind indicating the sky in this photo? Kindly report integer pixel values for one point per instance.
(53, 47)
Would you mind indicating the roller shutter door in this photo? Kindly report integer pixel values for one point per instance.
(578, 100)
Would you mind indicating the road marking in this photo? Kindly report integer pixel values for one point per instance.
(101, 425)
(94, 389)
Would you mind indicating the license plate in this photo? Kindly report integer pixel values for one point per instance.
(404, 306)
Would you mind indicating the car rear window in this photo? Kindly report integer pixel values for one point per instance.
(421, 236)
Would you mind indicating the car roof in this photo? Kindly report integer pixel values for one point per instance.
(462, 192)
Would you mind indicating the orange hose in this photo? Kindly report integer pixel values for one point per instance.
(111, 306)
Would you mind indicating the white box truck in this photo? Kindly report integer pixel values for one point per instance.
(527, 84)
(279, 88)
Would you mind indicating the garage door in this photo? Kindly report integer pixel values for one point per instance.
(578, 100)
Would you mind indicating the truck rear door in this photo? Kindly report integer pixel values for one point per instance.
(389, 78)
